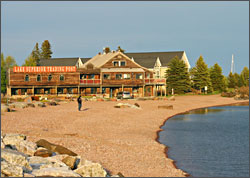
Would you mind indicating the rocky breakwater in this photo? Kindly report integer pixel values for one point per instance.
(23, 158)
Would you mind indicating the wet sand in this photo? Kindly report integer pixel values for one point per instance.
(121, 139)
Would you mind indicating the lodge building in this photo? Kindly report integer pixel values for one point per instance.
(143, 74)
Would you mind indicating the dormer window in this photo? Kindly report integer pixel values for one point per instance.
(115, 63)
(123, 63)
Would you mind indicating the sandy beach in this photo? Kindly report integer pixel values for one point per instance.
(121, 139)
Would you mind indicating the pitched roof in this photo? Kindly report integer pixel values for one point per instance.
(58, 62)
(148, 59)
(101, 59)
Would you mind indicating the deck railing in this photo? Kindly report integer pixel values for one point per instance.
(90, 81)
(155, 81)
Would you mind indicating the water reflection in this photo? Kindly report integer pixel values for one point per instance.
(204, 111)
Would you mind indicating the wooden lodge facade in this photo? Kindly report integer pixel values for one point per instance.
(104, 74)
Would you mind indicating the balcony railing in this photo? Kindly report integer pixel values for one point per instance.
(155, 81)
(90, 81)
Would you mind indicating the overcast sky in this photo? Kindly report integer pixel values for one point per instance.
(215, 30)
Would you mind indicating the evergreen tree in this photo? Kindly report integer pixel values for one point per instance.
(46, 50)
(177, 76)
(201, 76)
(238, 80)
(30, 61)
(3, 75)
(231, 80)
(245, 76)
(120, 49)
(36, 54)
(216, 77)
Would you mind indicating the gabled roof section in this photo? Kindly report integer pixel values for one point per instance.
(59, 62)
(148, 59)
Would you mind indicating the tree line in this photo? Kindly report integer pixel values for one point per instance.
(200, 77)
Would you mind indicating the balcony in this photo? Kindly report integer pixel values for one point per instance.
(153, 81)
(90, 81)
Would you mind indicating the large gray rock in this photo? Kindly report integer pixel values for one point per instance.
(15, 158)
(55, 172)
(126, 105)
(10, 170)
(39, 104)
(38, 162)
(90, 169)
(20, 143)
(21, 105)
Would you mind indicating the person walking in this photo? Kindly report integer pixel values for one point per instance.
(79, 100)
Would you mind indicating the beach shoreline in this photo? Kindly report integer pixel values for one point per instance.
(158, 132)
(123, 140)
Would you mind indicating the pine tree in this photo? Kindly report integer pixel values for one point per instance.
(36, 54)
(177, 76)
(231, 80)
(201, 77)
(216, 77)
(46, 50)
(30, 61)
(245, 76)
(238, 80)
(120, 49)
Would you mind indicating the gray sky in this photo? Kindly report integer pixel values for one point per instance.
(215, 30)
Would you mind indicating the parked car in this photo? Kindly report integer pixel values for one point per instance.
(124, 95)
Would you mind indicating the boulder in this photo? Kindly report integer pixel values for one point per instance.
(126, 105)
(55, 148)
(166, 107)
(31, 105)
(37, 162)
(172, 98)
(28, 99)
(5, 108)
(21, 105)
(18, 141)
(39, 104)
(90, 169)
(60, 157)
(11, 105)
(70, 161)
(10, 170)
(28, 175)
(43, 152)
(136, 104)
(55, 172)
(15, 158)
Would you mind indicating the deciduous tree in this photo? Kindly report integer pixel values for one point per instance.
(30, 61)
(232, 83)
(245, 76)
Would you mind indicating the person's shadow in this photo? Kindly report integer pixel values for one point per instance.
(85, 109)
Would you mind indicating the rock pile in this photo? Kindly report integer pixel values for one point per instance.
(22, 158)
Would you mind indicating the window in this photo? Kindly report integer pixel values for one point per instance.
(92, 76)
(26, 79)
(138, 76)
(115, 63)
(49, 77)
(118, 76)
(23, 91)
(93, 90)
(38, 78)
(60, 90)
(126, 76)
(47, 90)
(123, 63)
(148, 75)
(61, 77)
(106, 76)
(70, 90)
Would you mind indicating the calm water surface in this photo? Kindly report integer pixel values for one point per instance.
(210, 142)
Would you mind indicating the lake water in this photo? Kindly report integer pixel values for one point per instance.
(210, 142)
